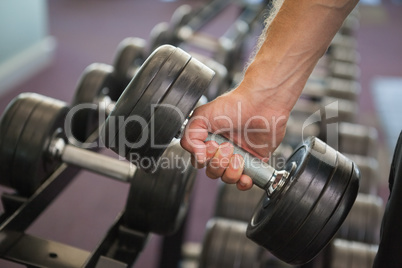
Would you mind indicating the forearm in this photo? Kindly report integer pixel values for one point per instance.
(293, 42)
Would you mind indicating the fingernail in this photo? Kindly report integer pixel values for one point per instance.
(226, 149)
(201, 158)
(211, 147)
(242, 183)
(236, 161)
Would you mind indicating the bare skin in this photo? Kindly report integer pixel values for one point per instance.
(254, 115)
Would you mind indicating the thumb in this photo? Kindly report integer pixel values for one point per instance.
(194, 136)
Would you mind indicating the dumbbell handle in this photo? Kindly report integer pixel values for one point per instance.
(262, 174)
(95, 162)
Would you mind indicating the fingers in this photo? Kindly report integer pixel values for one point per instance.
(234, 171)
(220, 161)
(244, 183)
(227, 165)
(193, 140)
(210, 151)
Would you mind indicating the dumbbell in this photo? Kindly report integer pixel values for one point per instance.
(333, 87)
(227, 49)
(342, 54)
(344, 40)
(92, 104)
(231, 44)
(106, 83)
(369, 169)
(346, 254)
(348, 138)
(130, 55)
(184, 19)
(327, 67)
(315, 190)
(364, 220)
(33, 145)
(161, 203)
(239, 205)
(308, 104)
(351, 23)
(226, 245)
(234, 204)
(358, 139)
(221, 81)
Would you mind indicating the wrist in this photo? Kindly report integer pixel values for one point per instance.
(267, 82)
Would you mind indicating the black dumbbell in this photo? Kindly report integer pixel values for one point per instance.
(152, 109)
(334, 68)
(305, 203)
(343, 54)
(130, 55)
(225, 245)
(234, 204)
(344, 40)
(221, 81)
(92, 103)
(33, 145)
(226, 49)
(347, 254)
(308, 104)
(351, 23)
(301, 211)
(364, 220)
(239, 205)
(161, 203)
(358, 139)
(185, 20)
(370, 173)
(104, 82)
(333, 87)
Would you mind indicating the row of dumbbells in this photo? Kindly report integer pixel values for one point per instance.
(333, 80)
(40, 133)
(358, 142)
(37, 138)
(35, 142)
(102, 84)
(356, 238)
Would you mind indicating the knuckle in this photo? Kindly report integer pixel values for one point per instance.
(230, 178)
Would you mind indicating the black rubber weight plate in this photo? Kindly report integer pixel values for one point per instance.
(292, 219)
(130, 54)
(332, 225)
(271, 214)
(175, 108)
(30, 165)
(95, 81)
(11, 128)
(212, 249)
(158, 201)
(156, 91)
(146, 89)
(159, 35)
(234, 204)
(226, 245)
(322, 212)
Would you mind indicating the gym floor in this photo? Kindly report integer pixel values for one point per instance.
(89, 31)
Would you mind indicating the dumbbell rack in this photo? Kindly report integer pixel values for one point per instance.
(118, 248)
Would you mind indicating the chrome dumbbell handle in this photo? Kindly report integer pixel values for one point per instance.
(262, 174)
(95, 162)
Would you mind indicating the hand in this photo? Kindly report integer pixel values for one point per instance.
(256, 126)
